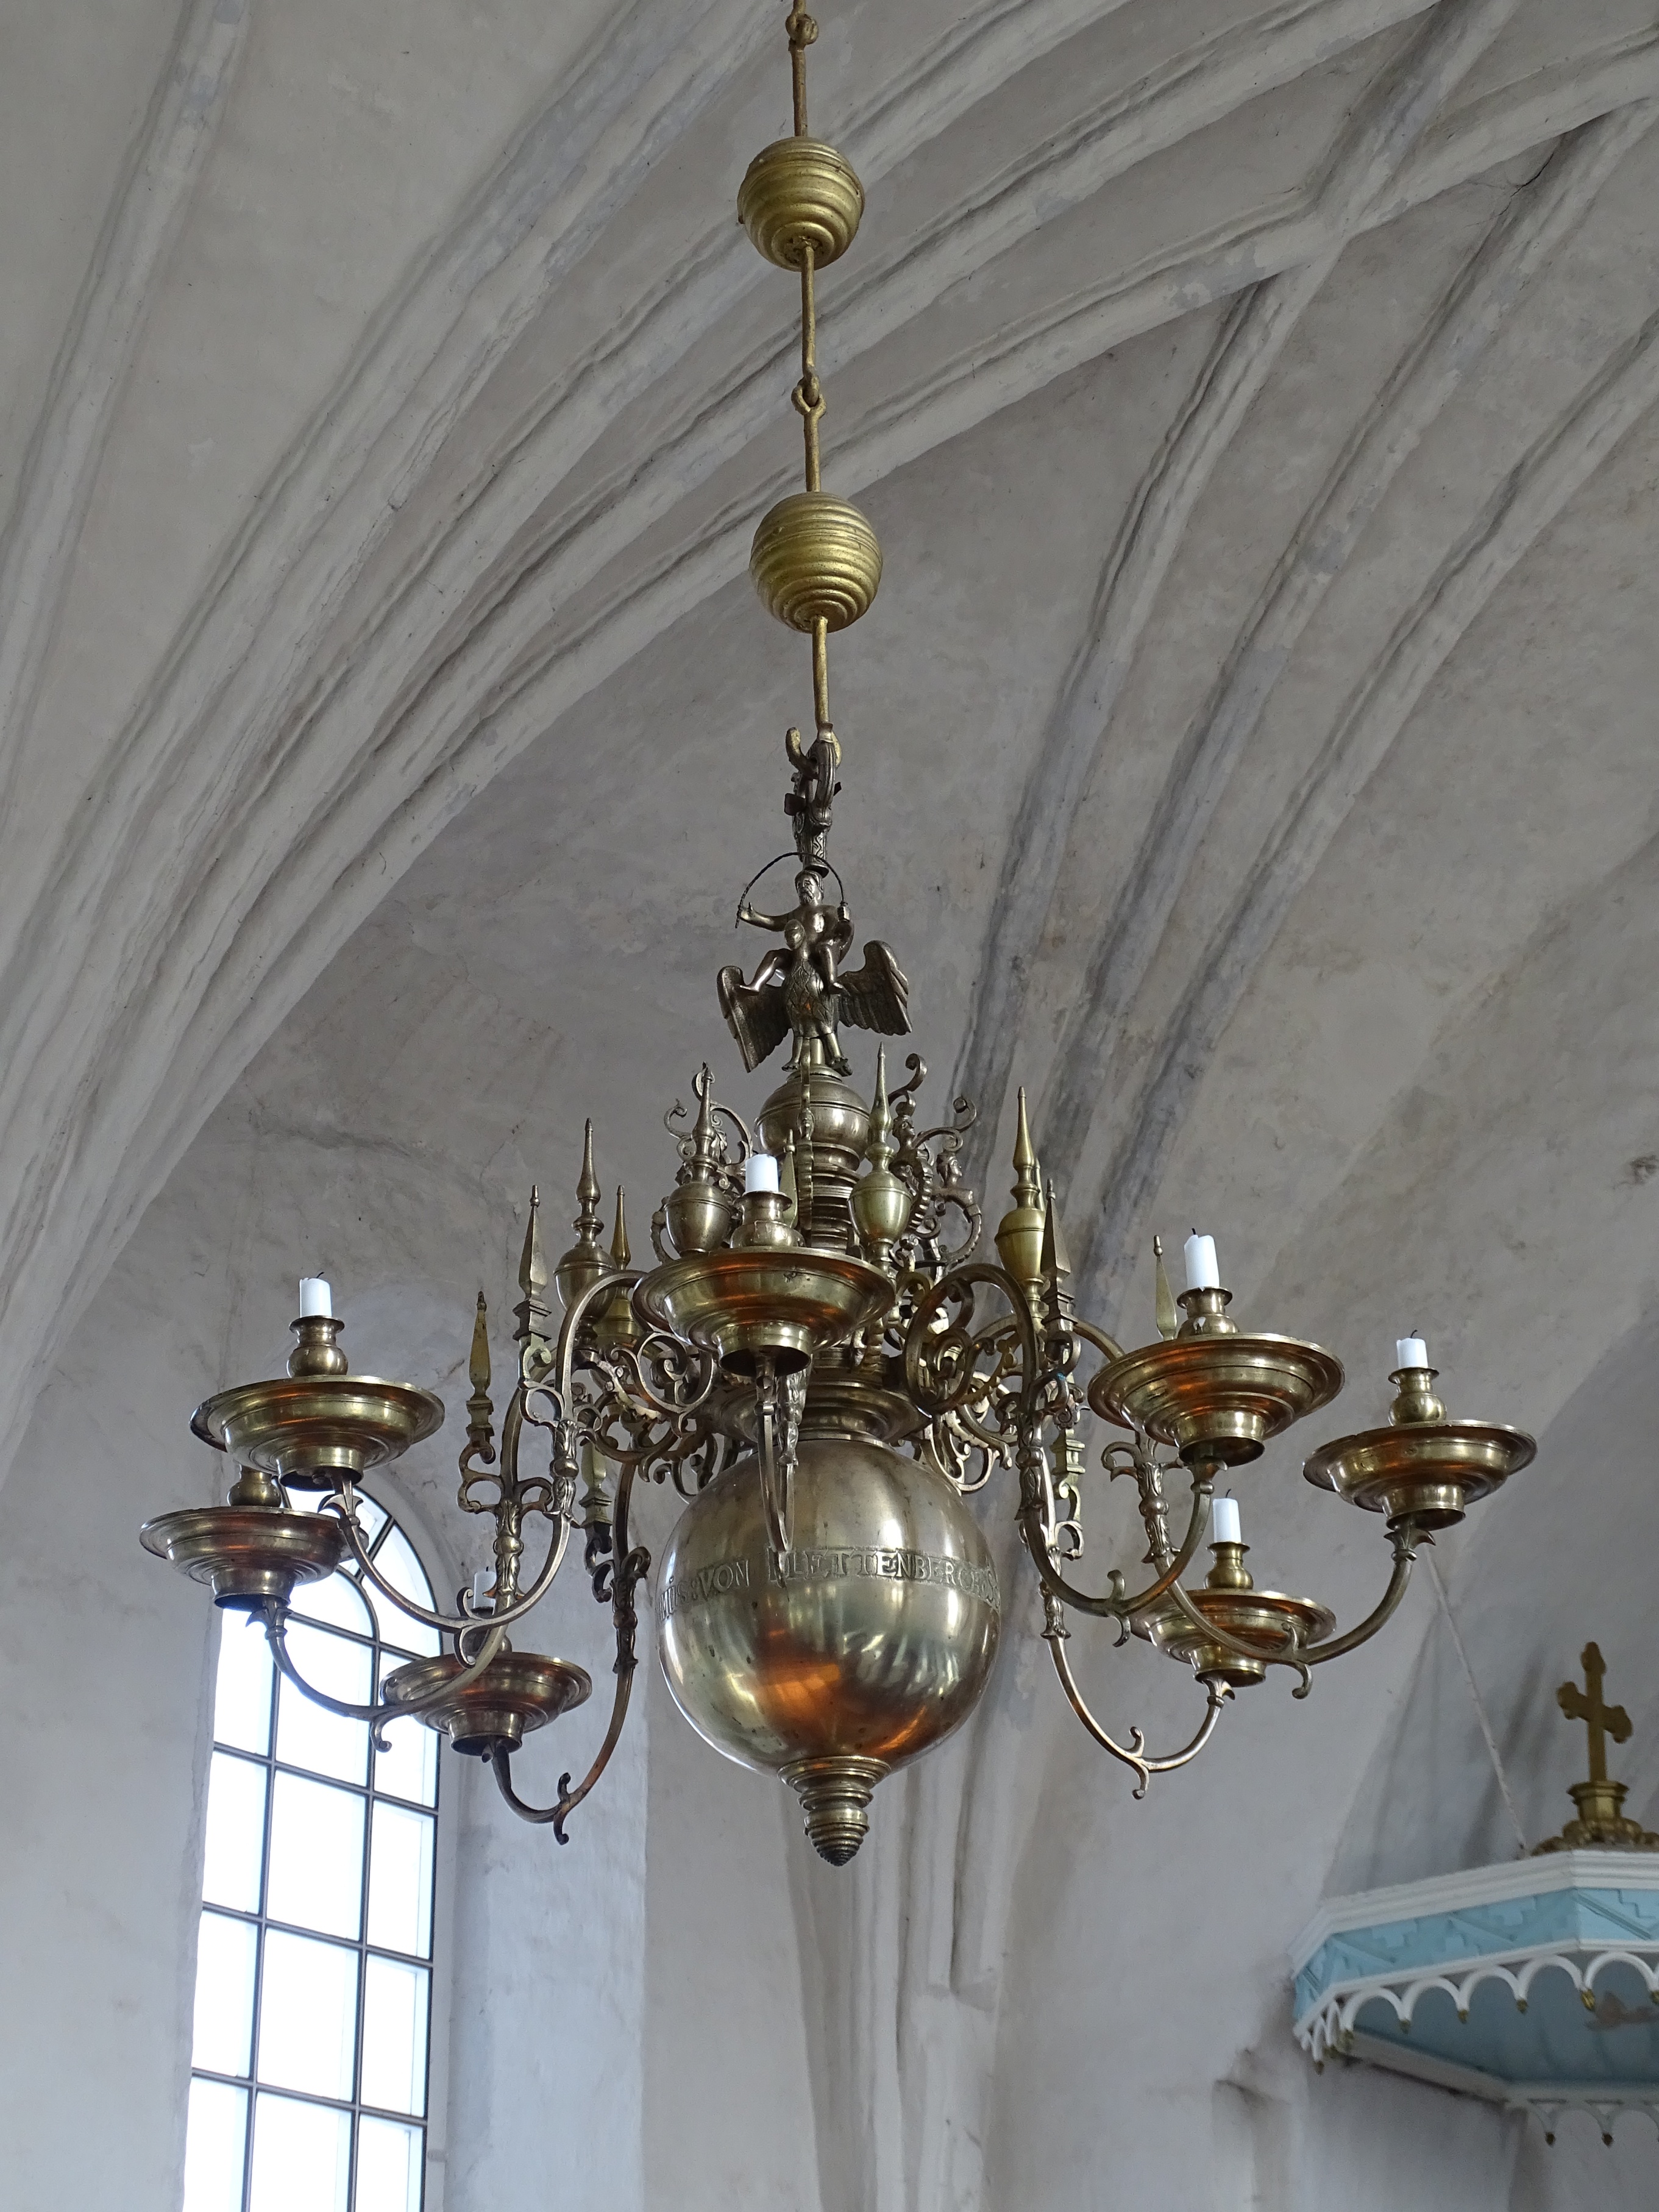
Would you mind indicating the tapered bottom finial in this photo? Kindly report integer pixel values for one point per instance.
(835, 1795)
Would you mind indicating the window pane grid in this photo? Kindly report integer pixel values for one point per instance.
(255, 2138)
(344, 1943)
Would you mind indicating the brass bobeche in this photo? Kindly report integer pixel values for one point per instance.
(317, 1422)
(1228, 1600)
(1217, 1395)
(825, 1374)
(248, 1556)
(519, 1691)
(1422, 1467)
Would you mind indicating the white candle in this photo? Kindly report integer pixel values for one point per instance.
(1202, 1272)
(1225, 1527)
(481, 1600)
(315, 1297)
(760, 1172)
(1410, 1351)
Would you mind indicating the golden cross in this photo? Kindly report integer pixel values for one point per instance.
(1601, 1720)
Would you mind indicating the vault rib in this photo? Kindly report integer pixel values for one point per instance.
(1530, 498)
(1451, 343)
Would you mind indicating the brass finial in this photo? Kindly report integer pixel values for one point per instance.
(1028, 1190)
(1601, 1824)
(878, 1145)
(882, 1201)
(584, 1263)
(1020, 1232)
(1056, 1261)
(532, 1267)
(588, 1187)
(617, 1322)
(480, 1423)
(532, 1312)
(1059, 1338)
(702, 1129)
(1164, 1305)
(477, 1366)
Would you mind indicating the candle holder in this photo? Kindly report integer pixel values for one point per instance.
(251, 1552)
(781, 1302)
(1228, 1600)
(1218, 1396)
(1422, 1469)
(317, 1422)
(519, 1691)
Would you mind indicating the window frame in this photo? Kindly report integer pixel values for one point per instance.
(430, 2123)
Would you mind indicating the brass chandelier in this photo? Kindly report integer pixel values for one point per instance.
(819, 1361)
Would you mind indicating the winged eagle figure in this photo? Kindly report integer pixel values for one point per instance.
(801, 989)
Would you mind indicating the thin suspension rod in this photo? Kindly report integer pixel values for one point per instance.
(802, 31)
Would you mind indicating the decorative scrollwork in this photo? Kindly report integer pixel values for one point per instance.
(952, 1366)
(928, 1162)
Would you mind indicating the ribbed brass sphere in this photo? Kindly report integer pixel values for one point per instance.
(815, 556)
(798, 193)
(866, 1644)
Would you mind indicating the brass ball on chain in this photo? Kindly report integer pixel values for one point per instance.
(815, 558)
(798, 193)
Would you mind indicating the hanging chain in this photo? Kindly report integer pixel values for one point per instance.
(808, 394)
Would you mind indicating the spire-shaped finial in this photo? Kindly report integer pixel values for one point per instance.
(480, 1450)
(1164, 1305)
(616, 1322)
(1056, 1261)
(587, 1223)
(477, 1367)
(1028, 1190)
(1020, 1232)
(584, 1263)
(1059, 1338)
(532, 1267)
(702, 1129)
(879, 1147)
(532, 1311)
(882, 1201)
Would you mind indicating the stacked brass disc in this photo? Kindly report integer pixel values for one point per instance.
(815, 558)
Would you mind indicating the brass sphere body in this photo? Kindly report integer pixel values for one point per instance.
(798, 193)
(864, 1645)
(815, 558)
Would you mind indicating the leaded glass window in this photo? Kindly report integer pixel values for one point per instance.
(308, 2081)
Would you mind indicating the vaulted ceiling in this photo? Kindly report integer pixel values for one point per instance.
(1250, 749)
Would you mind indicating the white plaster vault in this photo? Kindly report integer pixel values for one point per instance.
(1252, 750)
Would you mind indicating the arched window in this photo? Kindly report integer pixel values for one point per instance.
(308, 2083)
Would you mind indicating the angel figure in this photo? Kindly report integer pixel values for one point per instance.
(801, 987)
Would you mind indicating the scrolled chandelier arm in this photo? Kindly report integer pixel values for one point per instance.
(1134, 1755)
(820, 1359)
